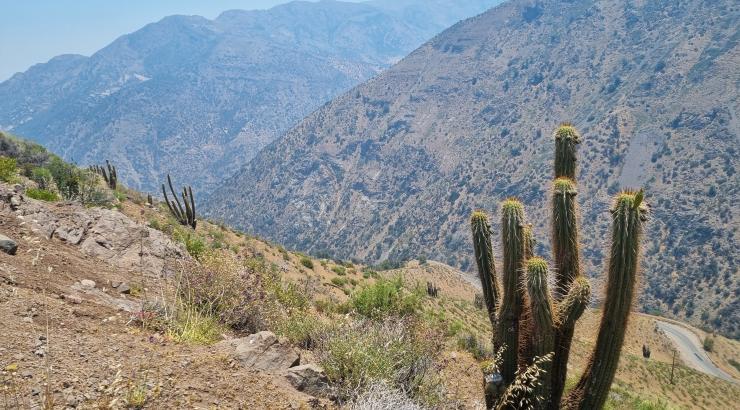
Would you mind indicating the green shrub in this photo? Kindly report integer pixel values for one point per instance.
(194, 244)
(289, 296)
(192, 325)
(301, 329)
(386, 297)
(8, 169)
(42, 194)
(307, 262)
(708, 343)
(339, 270)
(357, 355)
(734, 364)
(42, 177)
(339, 281)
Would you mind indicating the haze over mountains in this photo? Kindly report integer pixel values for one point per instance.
(198, 97)
(393, 168)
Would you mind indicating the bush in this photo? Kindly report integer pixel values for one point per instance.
(192, 325)
(194, 244)
(339, 281)
(339, 270)
(381, 397)
(301, 329)
(307, 262)
(8, 169)
(708, 343)
(42, 177)
(223, 288)
(386, 297)
(355, 356)
(42, 194)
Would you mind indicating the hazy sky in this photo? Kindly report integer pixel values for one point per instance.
(33, 31)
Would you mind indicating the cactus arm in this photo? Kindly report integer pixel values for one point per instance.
(628, 215)
(566, 140)
(511, 307)
(484, 259)
(192, 207)
(174, 195)
(541, 311)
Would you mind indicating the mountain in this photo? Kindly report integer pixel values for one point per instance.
(393, 168)
(197, 97)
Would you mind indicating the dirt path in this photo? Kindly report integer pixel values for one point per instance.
(691, 351)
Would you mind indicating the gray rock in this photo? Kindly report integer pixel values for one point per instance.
(264, 351)
(8, 245)
(124, 288)
(310, 379)
(87, 283)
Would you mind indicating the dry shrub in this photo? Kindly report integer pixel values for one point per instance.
(227, 289)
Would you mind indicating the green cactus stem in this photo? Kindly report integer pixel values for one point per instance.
(628, 215)
(484, 259)
(512, 221)
(184, 215)
(566, 140)
(542, 319)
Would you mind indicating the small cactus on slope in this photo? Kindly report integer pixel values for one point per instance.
(531, 321)
(108, 173)
(184, 215)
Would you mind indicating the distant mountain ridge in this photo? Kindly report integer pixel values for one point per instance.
(198, 98)
(392, 169)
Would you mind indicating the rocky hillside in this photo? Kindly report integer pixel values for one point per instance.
(77, 309)
(393, 168)
(198, 97)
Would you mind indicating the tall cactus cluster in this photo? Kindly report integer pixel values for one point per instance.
(185, 215)
(108, 173)
(534, 314)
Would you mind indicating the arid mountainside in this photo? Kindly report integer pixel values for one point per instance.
(74, 301)
(392, 169)
(197, 98)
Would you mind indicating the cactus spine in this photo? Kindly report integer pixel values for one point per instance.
(184, 215)
(533, 321)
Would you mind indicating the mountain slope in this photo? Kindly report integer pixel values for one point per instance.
(393, 168)
(197, 97)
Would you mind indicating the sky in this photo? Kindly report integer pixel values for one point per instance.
(34, 31)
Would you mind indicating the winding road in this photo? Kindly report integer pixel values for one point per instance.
(691, 351)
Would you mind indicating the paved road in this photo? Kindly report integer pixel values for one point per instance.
(691, 351)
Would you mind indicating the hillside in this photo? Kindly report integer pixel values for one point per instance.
(392, 169)
(104, 354)
(198, 97)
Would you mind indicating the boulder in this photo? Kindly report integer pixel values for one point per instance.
(8, 245)
(310, 379)
(264, 351)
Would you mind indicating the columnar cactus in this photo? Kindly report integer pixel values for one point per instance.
(110, 175)
(534, 321)
(184, 215)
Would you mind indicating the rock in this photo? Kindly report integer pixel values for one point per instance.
(87, 284)
(310, 379)
(263, 351)
(15, 202)
(8, 245)
(124, 288)
(115, 284)
(72, 299)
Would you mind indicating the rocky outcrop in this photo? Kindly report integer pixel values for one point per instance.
(310, 379)
(263, 351)
(101, 233)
